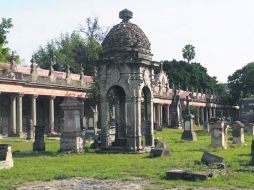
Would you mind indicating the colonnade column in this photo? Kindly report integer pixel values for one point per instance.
(202, 115)
(12, 128)
(210, 113)
(167, 114)
(151, 124)
(51, 114)
(19, 130)
(161, 117)
(206, 115)
(33, 109)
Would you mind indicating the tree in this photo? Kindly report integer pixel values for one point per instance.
(92, 30)
(189, 52)
(73, 49)
(5, 25)
(192, 76)
(241, 82)
(69, 49)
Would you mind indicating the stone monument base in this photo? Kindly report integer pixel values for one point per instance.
(189, 135)
(38, 146)
(6, 161)
(72, 141)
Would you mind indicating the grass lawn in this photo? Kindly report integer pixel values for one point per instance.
(51, 164)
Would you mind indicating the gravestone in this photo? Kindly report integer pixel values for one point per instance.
(6, 161)
(250, 128)
(189, 132)
(252, 152)
(206, 126)
(160, 149)
(30, 130)
(238, 132)
(209, 158)
(39, 144)
(71, 136)
(217, 133)
(187, 175)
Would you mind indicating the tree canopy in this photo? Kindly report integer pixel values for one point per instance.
(188, 52)
(192, 76)
(5, 25)
(73, 49)
(241, 82)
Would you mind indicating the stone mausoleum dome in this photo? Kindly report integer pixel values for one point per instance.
(126, 36)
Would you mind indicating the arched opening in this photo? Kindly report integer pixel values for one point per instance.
(146, 117)
(117, 120)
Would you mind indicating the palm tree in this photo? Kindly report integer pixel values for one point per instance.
(189, 52)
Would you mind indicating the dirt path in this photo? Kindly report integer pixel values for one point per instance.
(80, 183)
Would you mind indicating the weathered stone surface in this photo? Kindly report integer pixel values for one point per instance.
(6, 161)
(189, 132)
(160, 149)
(186, 175)
(238, 132)
(71, 136)
(126, 35)
(30, 130)
(39, 144)
(209, 158)
(218, 135)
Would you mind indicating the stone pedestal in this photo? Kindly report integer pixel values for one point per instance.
(39, 144)
(217, 133)
(238, 132)
(6, 161)
(71, 136)
(30, 130)
(189, 132)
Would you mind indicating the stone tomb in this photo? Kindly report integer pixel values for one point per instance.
(189, 132)
(39, 144)
(187, 175)
(6, 161)
(71, 136)
(238, 132)
(209, 158)
(217, 133)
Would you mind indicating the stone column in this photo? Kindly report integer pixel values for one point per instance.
(51, 114)
(167, 115)
(138, 123)
(206, 114)
(202, 115)
(20, 115)
(161, 115)
(12, 128)
(33, 109)
(210, 113)
(151, 141)
(104, 122)
(214, 112)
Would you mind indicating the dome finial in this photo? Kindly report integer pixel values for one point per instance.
(126, 15)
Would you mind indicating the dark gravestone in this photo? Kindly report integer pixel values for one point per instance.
(3, 151)
(209, 158)
(252, 152)
(39, 144)
(187, 175)
(160, 149)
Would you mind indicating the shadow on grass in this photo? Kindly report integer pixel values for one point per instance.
(23, 154)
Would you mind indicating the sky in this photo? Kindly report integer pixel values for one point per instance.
(222, 31)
